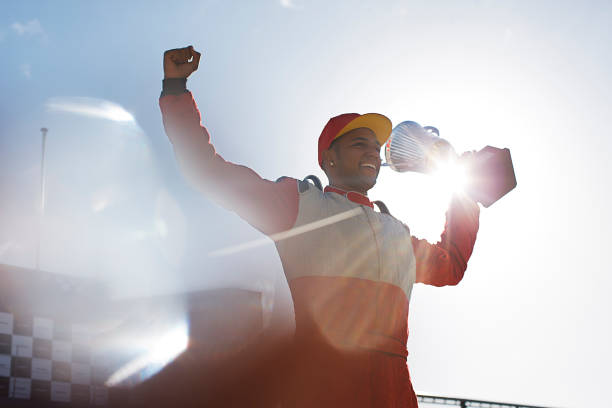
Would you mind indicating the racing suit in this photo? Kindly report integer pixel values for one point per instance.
(350, 269)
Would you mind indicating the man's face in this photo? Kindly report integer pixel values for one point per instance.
(356, 157)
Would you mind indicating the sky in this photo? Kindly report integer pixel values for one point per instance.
(529, 323)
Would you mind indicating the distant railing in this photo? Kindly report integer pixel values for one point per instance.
(463, 403)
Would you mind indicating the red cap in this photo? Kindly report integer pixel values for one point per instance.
(341, 124)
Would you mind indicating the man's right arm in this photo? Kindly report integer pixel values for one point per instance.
(269, 206)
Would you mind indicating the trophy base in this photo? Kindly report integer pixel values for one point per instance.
(491, 175)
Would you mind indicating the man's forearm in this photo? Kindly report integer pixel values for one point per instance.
(445, 262)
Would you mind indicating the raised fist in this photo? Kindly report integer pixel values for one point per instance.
(180, 62)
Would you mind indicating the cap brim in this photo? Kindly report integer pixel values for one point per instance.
(379, 124)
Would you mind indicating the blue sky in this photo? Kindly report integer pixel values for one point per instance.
(531, 320)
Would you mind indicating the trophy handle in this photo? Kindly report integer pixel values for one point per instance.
(432, 129)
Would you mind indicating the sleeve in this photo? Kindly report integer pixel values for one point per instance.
(445, 262)
(269, 206)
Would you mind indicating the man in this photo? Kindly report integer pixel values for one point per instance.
(350, 269)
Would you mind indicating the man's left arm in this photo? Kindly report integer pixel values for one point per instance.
(445, 262)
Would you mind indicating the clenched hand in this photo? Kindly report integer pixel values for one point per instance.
(180, 62)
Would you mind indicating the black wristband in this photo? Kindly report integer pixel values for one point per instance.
(174, 86)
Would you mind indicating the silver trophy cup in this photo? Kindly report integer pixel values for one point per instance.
(412, 147)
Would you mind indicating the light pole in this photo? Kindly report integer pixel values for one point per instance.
(42, 194)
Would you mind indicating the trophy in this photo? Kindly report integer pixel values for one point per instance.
(489, 172)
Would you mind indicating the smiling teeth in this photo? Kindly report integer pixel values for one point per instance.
(369, 165)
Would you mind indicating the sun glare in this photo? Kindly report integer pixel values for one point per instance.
(451, 177)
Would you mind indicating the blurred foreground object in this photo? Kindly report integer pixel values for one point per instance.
(489, 172)
(66, 342)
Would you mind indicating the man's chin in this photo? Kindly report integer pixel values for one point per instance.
(368, 182)
(363, 182)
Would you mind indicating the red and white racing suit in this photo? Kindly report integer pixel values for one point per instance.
(350, 269)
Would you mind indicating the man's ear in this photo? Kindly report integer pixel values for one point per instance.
(327, 158)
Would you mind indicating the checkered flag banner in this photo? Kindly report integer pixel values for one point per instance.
(49, 361)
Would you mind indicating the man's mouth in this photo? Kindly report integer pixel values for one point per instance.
(369, 165)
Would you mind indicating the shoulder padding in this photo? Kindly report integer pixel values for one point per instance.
(315, 180)
(303, 186)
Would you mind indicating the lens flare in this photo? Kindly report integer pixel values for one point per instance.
(156, 355)
(93, 107)
(169, 346)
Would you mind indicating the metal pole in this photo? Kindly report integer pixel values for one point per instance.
(42, 194)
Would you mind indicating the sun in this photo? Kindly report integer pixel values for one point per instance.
(450, 176)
